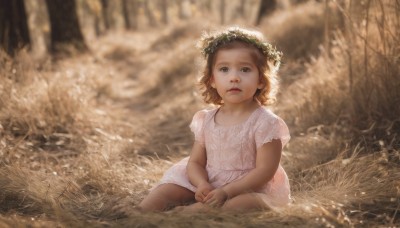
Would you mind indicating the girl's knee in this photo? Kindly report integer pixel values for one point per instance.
(231, 206)
(244, 202)
(166, 196)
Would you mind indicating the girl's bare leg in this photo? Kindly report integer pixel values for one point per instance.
(166, 196)
(244, 202)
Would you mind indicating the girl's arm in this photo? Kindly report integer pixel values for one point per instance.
(267, 162)
(196, 165)
(197, 173)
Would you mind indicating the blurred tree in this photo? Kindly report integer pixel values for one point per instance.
(222, 11)
(134, 16)
(66, 36)
(14, 33)
(241, 8)
(184, 10)
(164, 11)
(149, 13)
(104, 10)
(130, 11)
(125, 13)
(266, 6)
(205, 5)
(94, 7)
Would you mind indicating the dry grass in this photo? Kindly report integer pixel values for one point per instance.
(289, 28)
(82, 140)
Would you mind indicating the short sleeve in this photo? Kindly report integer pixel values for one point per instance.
(197, 126)
(271, 127)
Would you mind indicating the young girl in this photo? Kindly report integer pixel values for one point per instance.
(234, 162)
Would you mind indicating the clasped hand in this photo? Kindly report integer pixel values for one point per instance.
(208, 195)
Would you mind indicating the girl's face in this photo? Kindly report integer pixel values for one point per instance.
(235, 75)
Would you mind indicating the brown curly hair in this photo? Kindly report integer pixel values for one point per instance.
(267, 61)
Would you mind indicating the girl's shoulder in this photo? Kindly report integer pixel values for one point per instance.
(268, 114)
(270, 126)
(204, 113)
(269, 120)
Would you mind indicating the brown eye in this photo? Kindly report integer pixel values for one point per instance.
(245, 69)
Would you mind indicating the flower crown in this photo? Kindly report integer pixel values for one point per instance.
(209, 43)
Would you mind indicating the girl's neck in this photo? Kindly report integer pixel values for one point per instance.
(241, 108)
(229, 114)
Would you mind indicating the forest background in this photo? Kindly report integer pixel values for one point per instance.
(96, 97)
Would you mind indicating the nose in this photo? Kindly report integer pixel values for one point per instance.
(235, 77)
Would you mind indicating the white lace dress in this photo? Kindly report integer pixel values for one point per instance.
(231, 153)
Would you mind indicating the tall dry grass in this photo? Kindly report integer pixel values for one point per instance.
(354, 85)
(55, 142)
(288, 29)
(344, 110)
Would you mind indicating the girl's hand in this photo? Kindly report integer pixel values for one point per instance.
(202, 191)
(216, 198)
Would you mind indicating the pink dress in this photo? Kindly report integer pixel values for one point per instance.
(231, 153)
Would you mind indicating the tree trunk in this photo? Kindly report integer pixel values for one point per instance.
(149, 14)
(266, 7)
(222, 11)
(164, 12)
(180, 9)
(125, 13)
(66, 36)
(95, 8)
(205, 5)
(97, 28)
(135, 14)
(184, 10)
(14, 33)
(104, 10)
(241, 10)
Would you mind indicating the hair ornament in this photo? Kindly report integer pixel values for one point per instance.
(210, 42)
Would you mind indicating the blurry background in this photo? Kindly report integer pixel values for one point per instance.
(96, 97)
